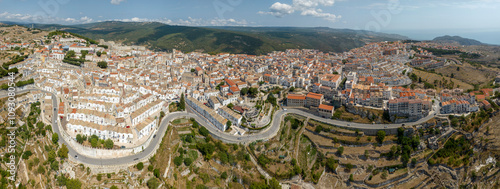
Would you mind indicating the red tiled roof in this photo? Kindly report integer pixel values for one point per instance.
(325, 107)
(314, 95)
(296, 96)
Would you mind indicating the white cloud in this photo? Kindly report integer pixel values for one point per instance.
(37, 18)
(318, 13)
(116, 2)
(85, 19)
(305, 7)
(190, 21)
(280, 9)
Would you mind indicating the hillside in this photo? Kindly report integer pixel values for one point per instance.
(456, 39)
(250, 40)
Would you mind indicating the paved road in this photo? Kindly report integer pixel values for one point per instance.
(362, 125)
(267, 133)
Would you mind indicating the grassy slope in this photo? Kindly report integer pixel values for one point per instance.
(430, 77)
(469, 74)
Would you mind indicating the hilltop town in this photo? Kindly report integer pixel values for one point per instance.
(377, 116)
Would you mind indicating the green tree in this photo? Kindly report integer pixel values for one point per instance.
(318, 128)
(73, 184)
(274, 184)
(102, 64)
(79, 138)
(41, 169)
(140, 165)
(93, 142)
(230, 105)
(263, 160)
(55, 138)
(223, 157)
(99, 177)
(228, 124)
(340, 150)
(349, 166)
(405, 158)
(203, 131)
(54, 165)
(244, 91)
(63, 151)
(98, 53)
(380, 136)
(223, 175)
(188, 161)
(331, 164)
(207, 149)
(109, 143)
(27, 154)
(51, 156)
(253, 91)
(351, 178)
(182, 103)
(156, 173)
(113, 187)
(271, 99)
(61, 180)
(153, 183)
(178, 161)
(195, 124)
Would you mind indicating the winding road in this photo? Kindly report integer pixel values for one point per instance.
(267, 133)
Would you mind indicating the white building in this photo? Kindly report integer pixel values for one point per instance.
(229, 114)
(214, 118)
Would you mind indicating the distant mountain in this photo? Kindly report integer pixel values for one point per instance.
(249, 40)
(456, 39)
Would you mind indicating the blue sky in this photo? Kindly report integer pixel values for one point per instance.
(421, 19)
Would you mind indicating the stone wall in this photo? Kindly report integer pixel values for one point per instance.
(102, 153)
(365, 113)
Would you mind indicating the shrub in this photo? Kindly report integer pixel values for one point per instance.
(178, 161)
(153, 183)
(140, 166)
(102, 64)
(340, 150)
(188, 161)
(380, 136)
(224, 175)
(99, 177)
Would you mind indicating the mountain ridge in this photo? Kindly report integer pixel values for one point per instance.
(457, 39)
(213, 39)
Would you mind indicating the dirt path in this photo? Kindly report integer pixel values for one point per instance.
(297, 139)
(169, 158)
(261, 171)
